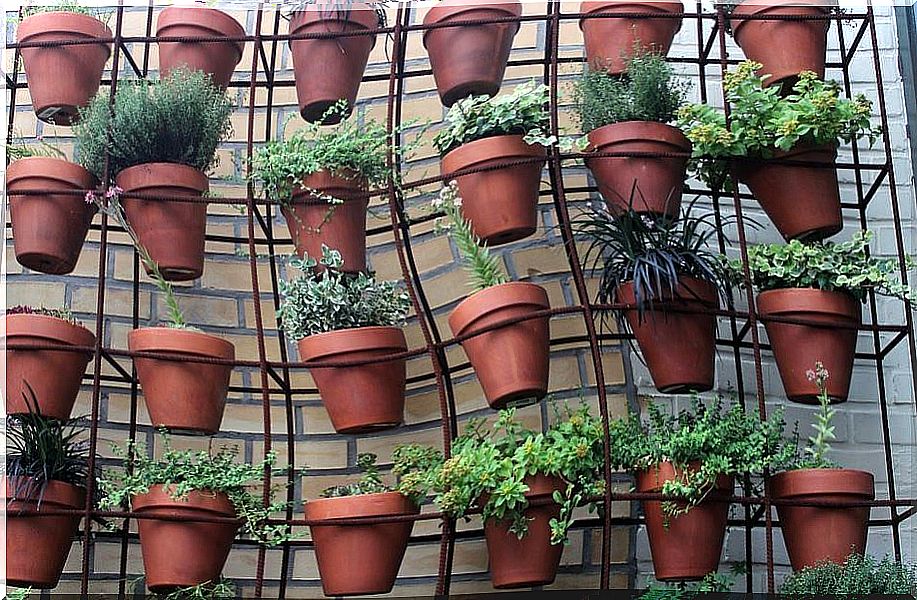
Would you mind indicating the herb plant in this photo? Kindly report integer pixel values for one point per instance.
(647, 91)
(184, 471)
(815, 454)
(686, 590)
(17, 593)
(17, 151)
(330, 299)
(825, 265)
(222, 589)
(369, 483)
(61, 6)
(523, 112)
(179, 119)
(858, 575)
(58, 313)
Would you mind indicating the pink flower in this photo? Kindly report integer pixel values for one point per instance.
(90, 197)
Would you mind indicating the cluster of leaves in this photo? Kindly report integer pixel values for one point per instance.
(652, 253)
(858, 575)
(221, 589)
(483, 268)
(825, 265)
(72, 6)
(184, 471)
(702, 442)
(179, 119)
(647, 91)
(369, 483)
(685, 590)
(522, 112)
(13, 593)
(58, 313)
(762, 121)
(330, 299)
(43, 149)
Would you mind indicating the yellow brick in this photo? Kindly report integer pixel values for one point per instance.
(312, 454)
(34, 293)
(203, 310)
(235, 275)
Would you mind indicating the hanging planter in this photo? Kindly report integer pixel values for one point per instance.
(215, 58)
(610, 42)
(469, 59)
(49, 229)
(63, 78)
(330, 69)
(53, 375)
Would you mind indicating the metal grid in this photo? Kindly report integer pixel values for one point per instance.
(275, 376)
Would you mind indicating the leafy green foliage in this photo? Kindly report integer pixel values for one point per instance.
(180, 119)
(647, 91)
(222, 589)
(702, 442)
(762, 121)
(522, 112)
(72, 6)
(331, 299)
(685, 590)
(369, 483)
(858, 575)
(417, 468)
(18, 593)
(825, 265)
(58, 313)
(17, 151)
(184, 471)
(484, 268)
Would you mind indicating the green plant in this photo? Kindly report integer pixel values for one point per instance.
(858, 577)
(58, 313)
(20, 150)
(647, 91)
(18, 593)
(825, 265)
(762, 121)
(522, 112)
(62, 6)
(369, 483)
(685, 590)
(184, 471)
(222, 589)
(330, 299)
(179, 119)
(819, 444)
(483, 268)
(702, 443)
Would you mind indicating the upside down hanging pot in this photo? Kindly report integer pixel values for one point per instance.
(521, 373)
(380, 547)
(610, 42)
(469, 59)
(330, 69)
(216, 58)
(831, 339)
(62, 79)
(678, 347)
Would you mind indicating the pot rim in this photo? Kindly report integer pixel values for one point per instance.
(829, 302)
(593, 6)
(81, 25)
(480, 303)
(325, 180)
(723, 483)
(58, 493)
(445, 11)
(638, 131)
(217, 21)
(494, 147)
(48, 327)
(162, 174)
(352, 340)
(58, 169)
(179, 341)
(850, 482)
(312, 14)
(752, 7)
(197, 501)
(378, 504)
(705, 287)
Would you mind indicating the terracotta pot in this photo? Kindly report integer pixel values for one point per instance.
(803, 202)
(49, 230)
(37, 546)
(469, 59)
(183, 553)
(523, 348)
(685, 547)
(63, 78)
(180, 394)
(652, 185)
(610, 42)
(533, 560)
(313, 222)
(818, 533)
(330, 69)
(218, 58)
(784, 48)
(678, 347)
(172, 232)
(379, 548)
(54, 375)
(501, 203)
(359, 398)
(797, 348)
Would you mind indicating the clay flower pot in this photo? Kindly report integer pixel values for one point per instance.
(172, 232)
(500, 203)
(803, 202)
(330, 69)
(651, 185)
(678, 347)
(314, 222)
(63, 78)
(533, 560)
(360, 398)
(37, 547)
(685, 547)
(378, 548)
(49, 229)
(469, 59)
(813, 534)
(610, 42)
(180, 394)
(217, 58)
(797, 348)
(183, 553)
(784, 48)
(54, 375)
